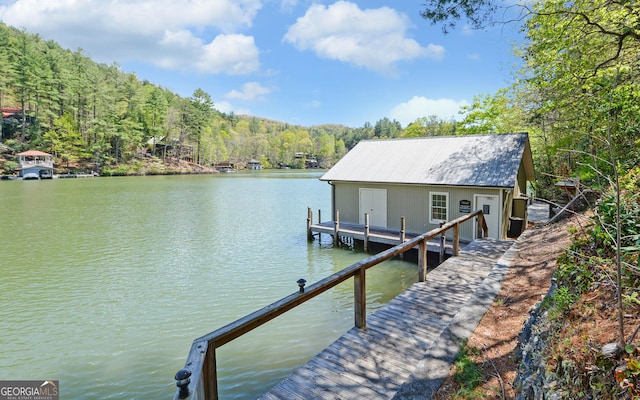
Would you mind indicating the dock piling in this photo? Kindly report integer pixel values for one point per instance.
(366, 232)
(309, 223)
(336, 228)
(442, 244)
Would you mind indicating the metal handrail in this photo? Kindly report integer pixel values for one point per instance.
(198, 380)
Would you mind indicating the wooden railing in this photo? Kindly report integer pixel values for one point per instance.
(198, 380)
(42, 163)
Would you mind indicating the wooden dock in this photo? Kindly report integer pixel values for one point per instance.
(198, 380)
(343, 232)
(408, 345)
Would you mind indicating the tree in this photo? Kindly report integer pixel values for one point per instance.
(496, 113)
(21, 56)
(581, 60)
(6, 68)
(479, 13)
(414, 130)
(154, 114)
(581, 56)
(385, 128)
(64, 139)
(202, 110)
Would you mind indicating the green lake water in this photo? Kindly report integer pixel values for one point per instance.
(105, 282)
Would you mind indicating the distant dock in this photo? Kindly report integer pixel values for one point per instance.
(80, 175)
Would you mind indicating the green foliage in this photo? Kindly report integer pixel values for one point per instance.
(467, 373)
(8, 167)
(430, 126)
(560, 302)
(579, 65)
(631, 299)
(493, 114)
(448, 13)
(603, 232)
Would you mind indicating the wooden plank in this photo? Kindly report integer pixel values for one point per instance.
(343, 385)
(392, 354)
(377, 375)
(373, 363)
(348, 352)
(425, 328)
(286, 390)
(403, 354)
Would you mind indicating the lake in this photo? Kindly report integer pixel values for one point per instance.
(106, 282)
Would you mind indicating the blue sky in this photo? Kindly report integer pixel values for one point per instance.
(296, 61)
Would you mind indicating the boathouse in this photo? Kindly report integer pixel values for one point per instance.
(426, 181)
(254, 165)
(34, 164)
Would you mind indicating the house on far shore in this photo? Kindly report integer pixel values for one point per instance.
(254, 165)
(225, 166)
(34, 164)
(430, 180)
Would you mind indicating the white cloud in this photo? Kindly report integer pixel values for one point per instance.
(372, 38)
(473, 56)
(467, 30)
(419, 107)
(168, 33)
(251, 91)
(149, 16)
(232, 54)
(313, 104)
(227, 108)
(288, 5)
(223, 106)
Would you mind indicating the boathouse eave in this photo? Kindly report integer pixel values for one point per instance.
(417, 184)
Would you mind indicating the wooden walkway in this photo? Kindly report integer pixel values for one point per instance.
(408, 344)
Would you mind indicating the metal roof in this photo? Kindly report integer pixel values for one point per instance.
(475, 160)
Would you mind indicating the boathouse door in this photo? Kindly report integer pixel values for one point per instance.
(374, 203)
(490, 206)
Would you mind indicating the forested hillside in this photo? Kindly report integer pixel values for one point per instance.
(61, 102)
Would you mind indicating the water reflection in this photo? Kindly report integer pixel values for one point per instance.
(106, 282)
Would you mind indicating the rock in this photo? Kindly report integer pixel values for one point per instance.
(611, 350)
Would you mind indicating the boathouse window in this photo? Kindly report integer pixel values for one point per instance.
(439, 207)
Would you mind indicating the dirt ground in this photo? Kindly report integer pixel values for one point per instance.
(496, 336)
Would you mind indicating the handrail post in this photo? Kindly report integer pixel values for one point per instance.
(319, 222)
(456, 239)
(336, 228)
(422, 261)
(360, 298)
(210, 373)
(480, 223)
(485, 228)
(403, 234)
(366, 232)
(442, 244)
